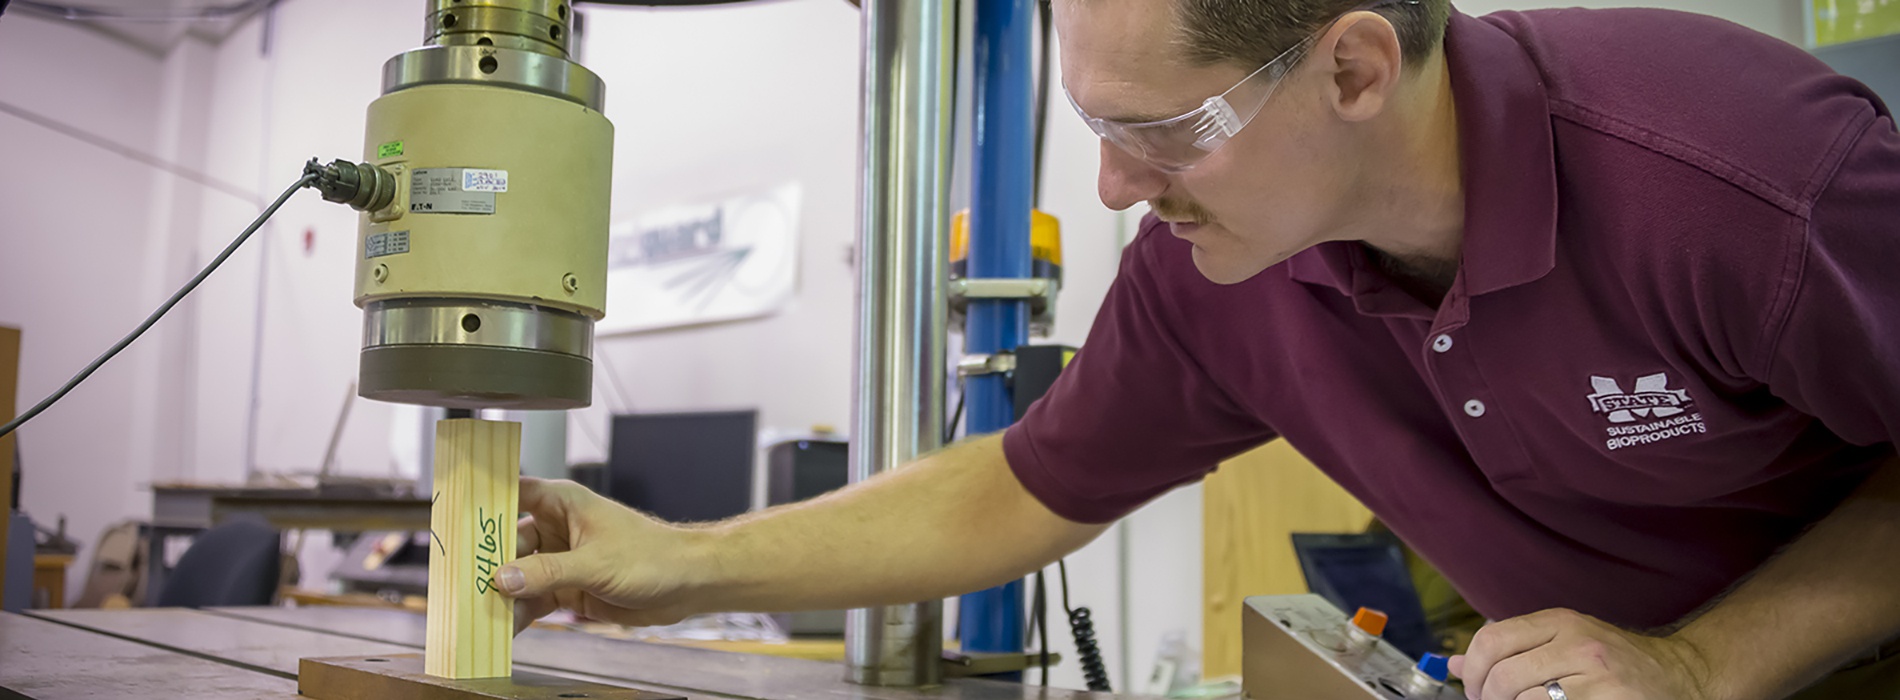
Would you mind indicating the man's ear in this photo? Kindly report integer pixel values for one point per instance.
(1364, 63)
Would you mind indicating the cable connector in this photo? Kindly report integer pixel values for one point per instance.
(363, 186)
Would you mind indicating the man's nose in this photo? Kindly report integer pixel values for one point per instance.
(1125, 180)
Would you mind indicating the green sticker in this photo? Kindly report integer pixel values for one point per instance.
(389, 150)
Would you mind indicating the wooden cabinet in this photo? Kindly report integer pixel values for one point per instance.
(9, 390)
(1250, 507)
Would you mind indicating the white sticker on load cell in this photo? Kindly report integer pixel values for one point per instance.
(386, 243)
(440, 191)
(484, 180)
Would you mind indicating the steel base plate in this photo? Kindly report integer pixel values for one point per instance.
(401, 676)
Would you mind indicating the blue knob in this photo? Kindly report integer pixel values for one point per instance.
(1435, 666)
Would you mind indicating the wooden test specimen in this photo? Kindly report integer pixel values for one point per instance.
(477, 484)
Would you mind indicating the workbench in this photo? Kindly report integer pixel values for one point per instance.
(184, 510)
(252, 653)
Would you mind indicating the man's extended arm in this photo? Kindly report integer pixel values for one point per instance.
(956, 521)
(1828, 596)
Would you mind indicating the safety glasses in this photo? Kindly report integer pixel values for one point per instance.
(1179, 143)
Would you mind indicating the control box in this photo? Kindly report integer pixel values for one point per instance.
(1300, 647)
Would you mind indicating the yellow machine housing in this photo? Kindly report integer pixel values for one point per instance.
(481, 280)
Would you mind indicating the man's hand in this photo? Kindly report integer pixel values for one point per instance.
(954, 521)
(1590, 660)
(598, 558)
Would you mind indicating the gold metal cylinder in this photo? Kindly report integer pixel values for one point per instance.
(542, 26)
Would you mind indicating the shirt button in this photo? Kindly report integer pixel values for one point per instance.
(1474, 408)
(1441, 343)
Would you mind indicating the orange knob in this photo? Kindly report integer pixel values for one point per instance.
(1369, 620)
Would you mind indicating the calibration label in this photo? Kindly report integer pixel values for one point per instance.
(455, 190)
(386, 243)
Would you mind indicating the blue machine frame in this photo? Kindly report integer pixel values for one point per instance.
(993, 620)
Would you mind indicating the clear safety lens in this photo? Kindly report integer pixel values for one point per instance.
(1177, 144)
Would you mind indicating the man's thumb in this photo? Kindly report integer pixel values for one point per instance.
(538, 574)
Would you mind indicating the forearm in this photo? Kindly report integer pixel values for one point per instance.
(1829, 596)
(953, 522)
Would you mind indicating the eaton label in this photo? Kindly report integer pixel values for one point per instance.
(386, 243)
(440, 191)
(484, 180)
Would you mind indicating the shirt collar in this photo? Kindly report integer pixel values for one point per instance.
(1510, 172)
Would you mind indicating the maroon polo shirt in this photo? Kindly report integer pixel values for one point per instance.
(1673, 341)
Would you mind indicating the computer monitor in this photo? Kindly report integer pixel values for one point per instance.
(684, 467)
(1355, 571)
(798, 470)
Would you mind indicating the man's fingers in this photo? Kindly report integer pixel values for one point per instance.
(1500, 641)
(1570, 685)
(528, 610)
(540, 574)
(548, 495)
(1530, 670)
(527, 538)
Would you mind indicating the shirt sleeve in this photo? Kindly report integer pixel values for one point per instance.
(1837, 354)
(1134, 415)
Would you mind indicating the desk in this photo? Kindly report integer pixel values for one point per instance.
(186, 510)
(253, 652)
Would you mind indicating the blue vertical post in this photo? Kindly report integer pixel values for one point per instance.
(993, 620)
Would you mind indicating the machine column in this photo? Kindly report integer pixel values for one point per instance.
(897, 408)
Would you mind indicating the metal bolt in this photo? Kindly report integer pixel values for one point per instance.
(571, 283)
(381, 273)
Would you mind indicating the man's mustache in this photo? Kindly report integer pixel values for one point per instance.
(1171, 210)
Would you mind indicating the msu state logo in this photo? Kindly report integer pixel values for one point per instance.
(1647, 414)
(1652, 398)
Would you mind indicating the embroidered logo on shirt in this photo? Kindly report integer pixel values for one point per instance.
(1666, 410)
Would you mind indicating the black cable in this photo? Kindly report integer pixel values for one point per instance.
(1082, 625)
(1042, 625)
(956, 416)
(162, 309)
(1042, 98)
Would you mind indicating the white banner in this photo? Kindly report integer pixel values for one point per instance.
(696, 264)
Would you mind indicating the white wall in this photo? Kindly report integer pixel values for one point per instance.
(92, 240)
(712, 102)
(81, 261)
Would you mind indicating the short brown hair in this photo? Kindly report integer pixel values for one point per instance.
(1252, 32)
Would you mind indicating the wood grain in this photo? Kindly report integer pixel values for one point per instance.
(9, 391)
(1250, 508)
(477, 486)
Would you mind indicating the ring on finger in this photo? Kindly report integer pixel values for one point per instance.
(1556, 691)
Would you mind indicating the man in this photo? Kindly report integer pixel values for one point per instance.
(1596, 309)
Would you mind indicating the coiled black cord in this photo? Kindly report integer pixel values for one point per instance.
(1082, 625)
